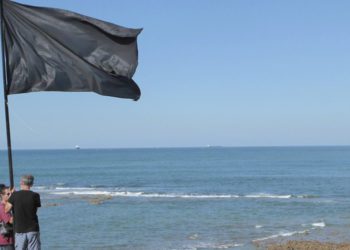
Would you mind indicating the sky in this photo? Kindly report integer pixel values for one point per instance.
(221, 73)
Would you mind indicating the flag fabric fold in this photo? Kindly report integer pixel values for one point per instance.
(57, 50)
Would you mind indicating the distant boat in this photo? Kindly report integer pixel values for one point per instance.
(77, 147)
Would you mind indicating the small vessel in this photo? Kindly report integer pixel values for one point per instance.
(77, 147)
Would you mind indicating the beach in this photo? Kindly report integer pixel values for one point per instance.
(325, 238)
(309, 245)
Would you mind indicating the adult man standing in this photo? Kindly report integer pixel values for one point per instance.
(24, 204)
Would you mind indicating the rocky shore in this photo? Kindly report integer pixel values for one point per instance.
(309, 245)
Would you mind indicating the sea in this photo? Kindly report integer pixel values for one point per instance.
(187, 198)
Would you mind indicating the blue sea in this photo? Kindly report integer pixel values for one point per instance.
(188, 198)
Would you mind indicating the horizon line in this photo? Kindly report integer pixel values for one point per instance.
(179, 147)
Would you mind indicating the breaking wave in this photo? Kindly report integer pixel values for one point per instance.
(311, 226)
(281, 234)
(119, 192)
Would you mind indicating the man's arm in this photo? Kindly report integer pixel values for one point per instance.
(37, 200)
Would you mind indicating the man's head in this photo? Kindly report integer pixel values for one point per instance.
(27, 181)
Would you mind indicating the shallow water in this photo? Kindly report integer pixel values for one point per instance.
(188, 198)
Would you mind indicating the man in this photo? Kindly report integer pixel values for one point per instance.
(24, 204)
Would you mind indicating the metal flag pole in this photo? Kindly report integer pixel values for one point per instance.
(5, 83)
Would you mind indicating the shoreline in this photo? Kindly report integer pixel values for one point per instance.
(325, 238)
(308, 245)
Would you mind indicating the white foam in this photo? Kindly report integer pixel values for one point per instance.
(272, 196)
(319, 224)
(95, 191)
(266, 238)
(217, 246)
(119, 192)
(258, 226)
(127, 194)
(193, 237)
(171, 195)
(74, 188)
(281, 234)
(230, 245)
(206, 196)
(82, 193)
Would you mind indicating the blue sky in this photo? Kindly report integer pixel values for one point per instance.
(230, 73)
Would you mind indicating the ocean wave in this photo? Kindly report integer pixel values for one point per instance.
(214, 246)
(272, 196)
(288, 234)
(281, 234)
(76, 188)
(122, 192)
(319, 224)
(82, 193)
(142, 194)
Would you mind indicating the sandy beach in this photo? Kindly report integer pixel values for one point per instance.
(309, 245)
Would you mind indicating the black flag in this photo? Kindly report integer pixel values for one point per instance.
(57, 50)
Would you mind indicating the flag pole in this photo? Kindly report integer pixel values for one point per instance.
(5, 83)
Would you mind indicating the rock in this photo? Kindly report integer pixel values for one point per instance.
(99, 200)
(51, 205)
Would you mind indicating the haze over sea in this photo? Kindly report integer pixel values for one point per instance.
(188, 198)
